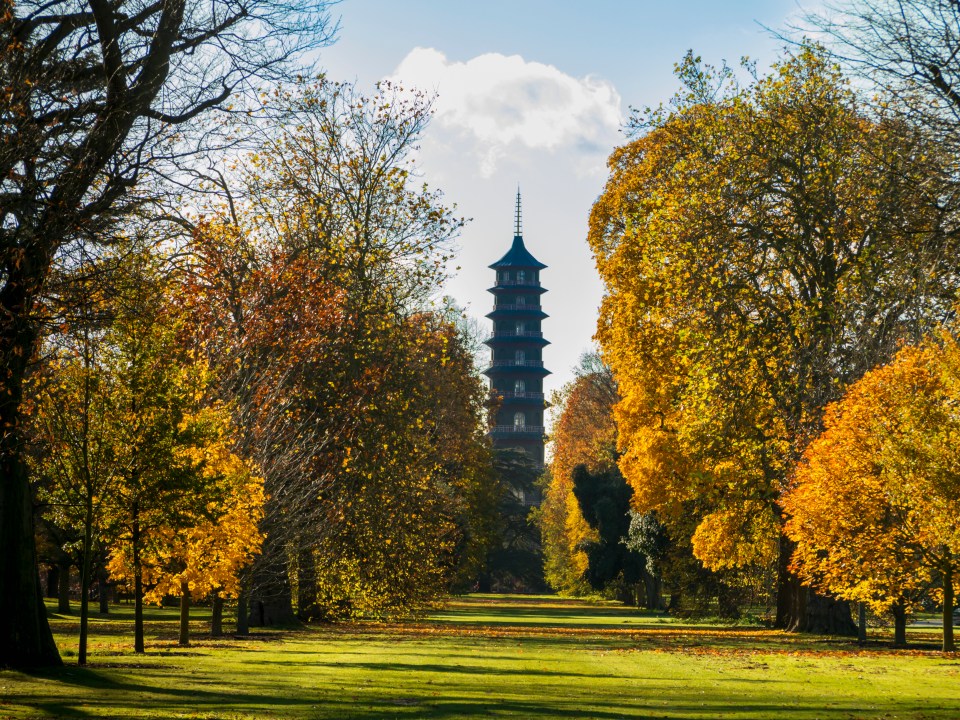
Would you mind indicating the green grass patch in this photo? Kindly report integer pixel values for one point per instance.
(488, 656)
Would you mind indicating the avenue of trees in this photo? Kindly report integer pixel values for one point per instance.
(227, 377)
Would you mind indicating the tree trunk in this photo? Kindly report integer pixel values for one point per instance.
(827, 616)
(653, 589)
(104, 590)
(216, 616)
(787, 585)
(899, 612)
(63, 588)
(271, 600)
(727, 607)
(626, 593)
(138, 645)
(948, 644)
(862, 623)
(85, 577)
(676, 599)
(184, 639)
(800, 609)
(306, 586)
(25, 637)
(243, 609)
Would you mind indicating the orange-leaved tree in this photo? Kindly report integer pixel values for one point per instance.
(875, 507)
(584, 434)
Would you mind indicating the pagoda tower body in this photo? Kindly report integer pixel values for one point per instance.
(516, 369)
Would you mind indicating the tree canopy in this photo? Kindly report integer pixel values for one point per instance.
(762, 247)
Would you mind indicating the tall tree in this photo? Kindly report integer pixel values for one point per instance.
(77, 465)
(514, 557)
(94, 95)
(762, 247)
(327, 209)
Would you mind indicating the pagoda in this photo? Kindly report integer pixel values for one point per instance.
(516, 369)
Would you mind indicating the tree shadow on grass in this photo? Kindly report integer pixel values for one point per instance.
(442, 668)
(124, 695)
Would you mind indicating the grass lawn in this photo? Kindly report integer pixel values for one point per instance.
(489, 656)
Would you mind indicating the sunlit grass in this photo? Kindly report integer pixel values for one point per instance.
(490, 656)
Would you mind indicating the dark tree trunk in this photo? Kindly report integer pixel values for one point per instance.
(216, 616)
(800, 609)
(103, 586)
(827, 616)
(653, 590)
(626, 593)
(271, 599)
(138, 644)
(85, 579)
(862, 623)
(676, 599)
(243, 610)
(727, 606)
(184, 639)
(25, 637)
(306, 586)
(788, 587)
(899, 613)
(63, 588)
(948, 644)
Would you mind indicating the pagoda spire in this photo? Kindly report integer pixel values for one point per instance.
(518, 225)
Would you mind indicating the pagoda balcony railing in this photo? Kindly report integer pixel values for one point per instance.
(524, 334)
(518, 363)
(518, 283)
(506, 394)
(504, 306)
(530, 429)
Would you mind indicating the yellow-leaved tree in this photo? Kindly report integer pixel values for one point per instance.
(875, 509)
(762, 246)
(176, 477)
(199, 550)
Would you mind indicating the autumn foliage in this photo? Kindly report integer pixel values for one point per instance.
(583, 434)
(762, 247)
(875, 504)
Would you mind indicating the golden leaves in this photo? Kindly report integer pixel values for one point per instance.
(874, 508)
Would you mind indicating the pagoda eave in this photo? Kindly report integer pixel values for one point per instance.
(496, 371)
(532, 314)
(502, 289)
(515, 339)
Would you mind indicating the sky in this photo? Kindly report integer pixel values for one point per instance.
(534, 93)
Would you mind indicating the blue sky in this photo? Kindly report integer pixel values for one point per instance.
(535, 92)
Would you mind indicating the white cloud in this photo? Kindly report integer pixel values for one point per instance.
(498, 104)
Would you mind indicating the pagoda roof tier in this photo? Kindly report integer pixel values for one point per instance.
(518, 257)
(533, 312)
(500, 367)
(512, 287)
(509, 339)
